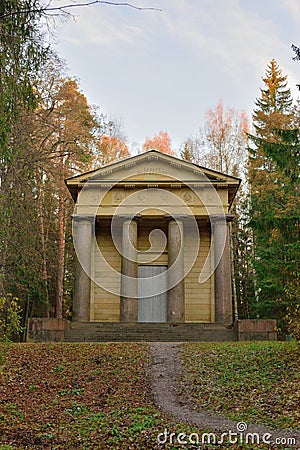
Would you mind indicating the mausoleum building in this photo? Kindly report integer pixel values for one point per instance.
(151, 235)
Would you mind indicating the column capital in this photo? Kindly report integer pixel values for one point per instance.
(221, 218)
(83, 217)
(177, 217)
(124, 217)
(217, 218)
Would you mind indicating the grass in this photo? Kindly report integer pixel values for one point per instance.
(97, 396)
(256, 382)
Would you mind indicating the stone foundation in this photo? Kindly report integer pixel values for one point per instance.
(256, 330)
(47, 330)
(56, 330)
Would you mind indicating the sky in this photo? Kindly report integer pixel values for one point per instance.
(162, 70)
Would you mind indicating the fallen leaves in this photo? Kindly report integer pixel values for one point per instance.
(257, 382)
(76, 396)
(98, 396)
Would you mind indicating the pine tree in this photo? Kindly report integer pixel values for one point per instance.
(276, 97)
(22, 53)
(273, 211)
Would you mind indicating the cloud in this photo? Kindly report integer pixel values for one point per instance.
(101, 25)
(178, 62)
(222, 31)
(225, 32)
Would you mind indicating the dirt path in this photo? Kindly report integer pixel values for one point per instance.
(165, 372)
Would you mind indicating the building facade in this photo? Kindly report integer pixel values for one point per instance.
(152, 243)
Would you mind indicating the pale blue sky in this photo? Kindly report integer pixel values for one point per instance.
(162, 70)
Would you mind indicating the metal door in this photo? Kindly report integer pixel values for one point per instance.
(152, 292)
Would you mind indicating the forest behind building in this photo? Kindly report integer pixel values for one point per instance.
(49, 132)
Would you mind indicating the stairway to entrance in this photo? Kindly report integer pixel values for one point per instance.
(148, 332)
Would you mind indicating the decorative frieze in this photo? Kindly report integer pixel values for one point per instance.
(118, 196)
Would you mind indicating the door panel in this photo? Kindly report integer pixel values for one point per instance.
(152, 308)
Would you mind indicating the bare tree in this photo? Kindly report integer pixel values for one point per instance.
(64, 9)
(222, 142)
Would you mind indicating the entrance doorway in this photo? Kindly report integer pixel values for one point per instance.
(152, 294)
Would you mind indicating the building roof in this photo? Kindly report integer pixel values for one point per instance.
(152, 167)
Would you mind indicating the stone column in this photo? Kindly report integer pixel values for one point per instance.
(176, 303)
(83, 231)
(223, 291)
(129, 272)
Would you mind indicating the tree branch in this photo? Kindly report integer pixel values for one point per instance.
(80, 5)
(297, 52)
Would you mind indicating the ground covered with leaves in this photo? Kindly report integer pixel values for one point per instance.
(98, 396)
(258, 382)
(76, 396)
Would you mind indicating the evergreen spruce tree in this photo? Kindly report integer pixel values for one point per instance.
(274, 200)
(276, 96)
(187, 153)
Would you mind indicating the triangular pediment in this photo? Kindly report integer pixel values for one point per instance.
(150, 167)
(151, 164)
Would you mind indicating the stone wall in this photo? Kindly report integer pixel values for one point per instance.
(47, 330)
(256, 330)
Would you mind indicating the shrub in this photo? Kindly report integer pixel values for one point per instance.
(10, 318)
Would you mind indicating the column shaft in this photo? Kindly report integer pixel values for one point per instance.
(129, 273)
(176, 301)
(223, 291)
(82, 238)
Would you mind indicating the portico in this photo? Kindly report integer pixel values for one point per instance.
(152, 242)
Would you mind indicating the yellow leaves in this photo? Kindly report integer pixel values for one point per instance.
(275, 235)
(10, 317)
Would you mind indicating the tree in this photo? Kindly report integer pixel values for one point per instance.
(220, 144)
(10, 319)
(22, 53)
(49, 10)
(297, 52)
(55, 140)
(68, 145)
(191, 150)
(48, 144)
(111, 148)
(110, 142)
(274, 210)
(24, 50)
(160, 142)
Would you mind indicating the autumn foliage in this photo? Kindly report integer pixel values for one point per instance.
(111, 148)
(160, 142)
(58, 137)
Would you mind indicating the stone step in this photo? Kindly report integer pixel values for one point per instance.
(118, 332)
(147, 325)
